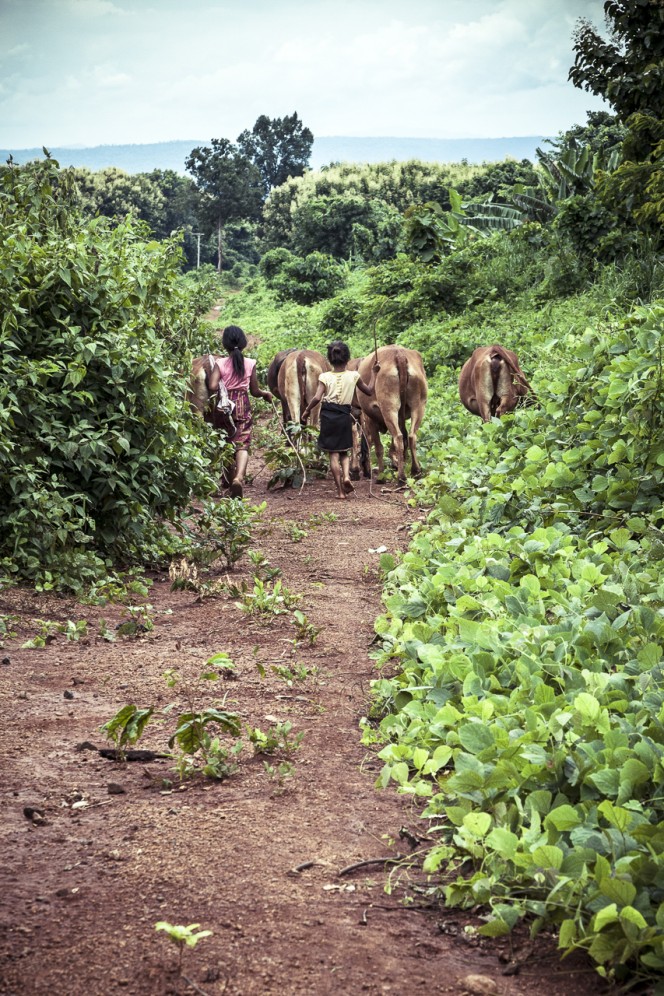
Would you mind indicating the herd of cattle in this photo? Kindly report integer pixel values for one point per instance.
(491, 384)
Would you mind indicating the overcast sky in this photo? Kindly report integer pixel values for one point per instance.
(93, 72)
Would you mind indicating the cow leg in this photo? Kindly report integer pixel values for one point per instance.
(415, 423)
(373, 439)
(356, 451)
(396, 449)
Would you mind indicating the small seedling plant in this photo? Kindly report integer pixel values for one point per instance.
(279, 773)
(137, 622)
(196, 738)
(6, 622)
(299, 672)
(305, 630)
(261, 567)
(220, 528)
(183, 937)
(276, 739)
(126, 728)
(268, 599)
(295, 532)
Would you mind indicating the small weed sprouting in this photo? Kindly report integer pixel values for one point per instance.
(279, 773)
(223, 664)
(196, 739)
(295, 532)
(261, 567)
(290, 675)
(137, 621)
(6, 632)
(277, 738)
(105, 631)
(183, 937)
(304, 629)
(126, 728)
(319, 518)
(72, 631)
(268, 599)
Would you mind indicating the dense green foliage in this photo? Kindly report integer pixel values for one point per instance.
(520, 651)
(521, 645)
(97, 329)
(278, 147)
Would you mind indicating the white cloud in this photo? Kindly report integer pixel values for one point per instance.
(19, 49)
(91, 8)
(106, 77)
(197, 69)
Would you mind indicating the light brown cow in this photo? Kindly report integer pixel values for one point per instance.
(400, 394)
(198, 392)
(297, 382)
(491, 382)
(273, 380)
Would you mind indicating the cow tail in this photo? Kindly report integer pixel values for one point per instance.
(301, 367)
(514, 370)
(402, 370)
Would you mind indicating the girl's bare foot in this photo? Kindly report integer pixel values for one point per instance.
(341, 496)
(348, 487)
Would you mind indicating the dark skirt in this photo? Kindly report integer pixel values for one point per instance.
(336, 428)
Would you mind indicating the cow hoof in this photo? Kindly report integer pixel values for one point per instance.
(354, 475)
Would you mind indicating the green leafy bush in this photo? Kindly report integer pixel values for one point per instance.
(526, 627)
(95, 441)
(304, 280)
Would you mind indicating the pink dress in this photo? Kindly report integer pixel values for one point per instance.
(238, 391)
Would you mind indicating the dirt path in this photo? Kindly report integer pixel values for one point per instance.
(81, 892)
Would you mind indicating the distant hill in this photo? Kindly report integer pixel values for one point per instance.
(172, 155)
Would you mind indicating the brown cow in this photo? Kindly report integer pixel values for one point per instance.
(491, 382)
(297, 382)
(400, 394)
(198, 391)
(273, 371)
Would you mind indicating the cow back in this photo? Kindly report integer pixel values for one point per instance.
(273, 371)
(401, 384)
(297, 380)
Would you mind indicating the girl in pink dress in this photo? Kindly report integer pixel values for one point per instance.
(239, 376)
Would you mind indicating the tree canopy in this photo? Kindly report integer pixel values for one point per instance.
(278, 147)
(229, 186)
(627, 70)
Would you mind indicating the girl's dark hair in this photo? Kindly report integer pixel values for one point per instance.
(234, 341)
(338, 352)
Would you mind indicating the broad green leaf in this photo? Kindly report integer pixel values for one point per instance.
(563, 818)
(618, 890)
(478, 824)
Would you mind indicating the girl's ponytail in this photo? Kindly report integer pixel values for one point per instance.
(234, 341)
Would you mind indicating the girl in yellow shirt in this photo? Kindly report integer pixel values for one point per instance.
(335, 391)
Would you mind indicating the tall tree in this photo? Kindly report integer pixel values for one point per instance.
(279, 147)
(628, 71)
(229, 187)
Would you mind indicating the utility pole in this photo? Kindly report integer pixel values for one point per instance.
(198, 248)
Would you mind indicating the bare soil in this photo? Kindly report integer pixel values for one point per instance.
(114, 848)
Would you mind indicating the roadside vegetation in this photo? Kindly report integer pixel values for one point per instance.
(520, 656)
